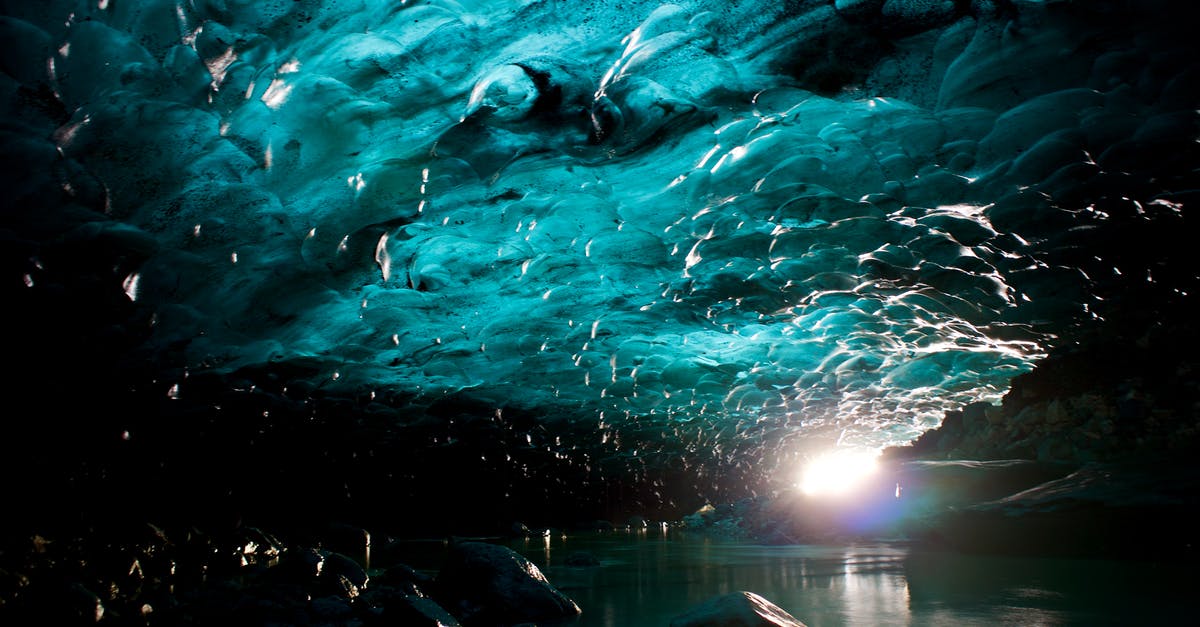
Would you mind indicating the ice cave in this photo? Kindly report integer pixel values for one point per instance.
(583, 313)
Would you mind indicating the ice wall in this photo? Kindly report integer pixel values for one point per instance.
(748, 227)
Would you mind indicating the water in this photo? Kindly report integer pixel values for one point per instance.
(648, 578)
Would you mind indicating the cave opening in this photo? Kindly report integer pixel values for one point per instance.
(299, 286)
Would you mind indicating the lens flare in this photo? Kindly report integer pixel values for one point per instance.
(838, 472)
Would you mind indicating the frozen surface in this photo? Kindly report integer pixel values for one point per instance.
(731, 228)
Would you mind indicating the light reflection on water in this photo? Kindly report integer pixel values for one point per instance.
(648, 581)
(648, 578)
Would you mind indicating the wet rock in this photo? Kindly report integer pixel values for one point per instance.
(417, 612)
(81, 607)
(1118, 510)
(975, 416)
(933, 486)
(490, 584)
(331, 609)
(700, 518)
(403, 578)
(255, 544)
(299, 565)
(737, 609)
(341, 576)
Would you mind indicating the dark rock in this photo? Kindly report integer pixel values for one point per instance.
(331, 609)
(84, 606)
(12, 584)
(928, 487)
(975, 417)
(736, 609)
(255, 544)
(700, 518)
(264, 609)
(1099, 510)
(299, 565)
(46, 601)
(403, 578)
(341, 576)
(636, 522)
(486, 584)
(415, 611)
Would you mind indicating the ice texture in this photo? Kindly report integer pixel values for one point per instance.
(701, 226)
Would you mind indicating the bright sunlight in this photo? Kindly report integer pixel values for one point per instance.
(838, 472)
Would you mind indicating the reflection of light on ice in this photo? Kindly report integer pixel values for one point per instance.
(838, 472)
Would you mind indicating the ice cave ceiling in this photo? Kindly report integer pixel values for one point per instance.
(763, 226)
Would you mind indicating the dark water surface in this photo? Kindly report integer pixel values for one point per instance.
(646, 578)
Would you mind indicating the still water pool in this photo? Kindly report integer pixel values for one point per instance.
(646, 578)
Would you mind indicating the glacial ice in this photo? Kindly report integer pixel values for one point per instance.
(778, 224)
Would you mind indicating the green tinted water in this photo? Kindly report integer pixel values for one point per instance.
(649, 577)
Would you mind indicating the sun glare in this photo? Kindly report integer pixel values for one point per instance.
(838, 472)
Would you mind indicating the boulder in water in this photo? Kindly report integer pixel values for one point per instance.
(737, 609)
(489, 584)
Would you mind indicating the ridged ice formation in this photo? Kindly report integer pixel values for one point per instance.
(701, 222)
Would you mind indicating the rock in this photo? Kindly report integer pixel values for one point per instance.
(53, 603)
(736, 609)
(490, 584)
(331, 609)
(341, 576)
(85, 605)
(256, 544)
(403, 578)
(416, 611)
(975, 417)
(1118, 510)
(931, 486)
(706, 516)
(299, 565)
